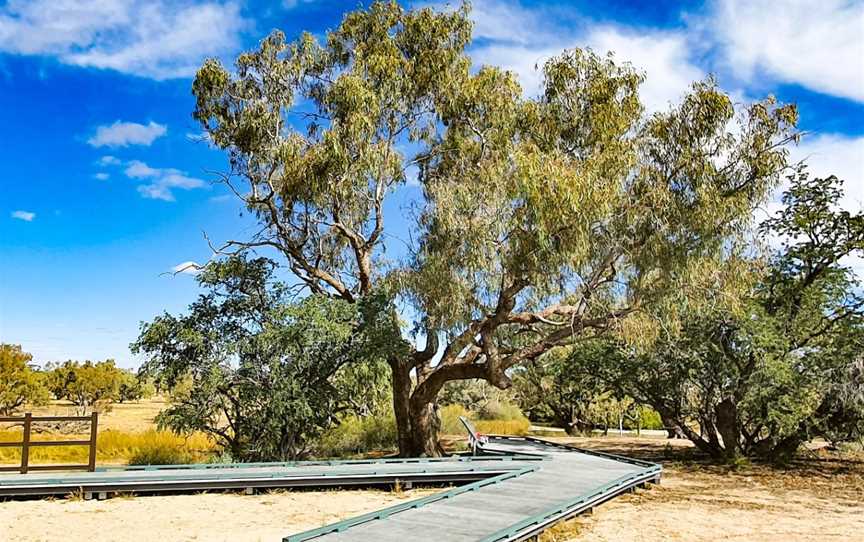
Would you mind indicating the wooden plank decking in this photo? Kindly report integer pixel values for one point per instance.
(263, 475)
(566, 483)
(513, 489)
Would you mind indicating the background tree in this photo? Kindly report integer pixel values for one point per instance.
(261, 374)
(19, 384)
(135, 388)
(761, 378)
(87, 385)
(568, 388)
(563, 388)
(542, 220)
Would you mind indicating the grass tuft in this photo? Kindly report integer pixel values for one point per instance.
(145, 448)
(512, 422)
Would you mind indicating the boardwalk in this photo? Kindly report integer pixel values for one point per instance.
(512, 489)
(513, 507)
(261, 475)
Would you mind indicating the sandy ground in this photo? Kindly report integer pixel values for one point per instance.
(818, 498)
(206, 516)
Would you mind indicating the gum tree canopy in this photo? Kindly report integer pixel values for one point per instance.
(539, 220)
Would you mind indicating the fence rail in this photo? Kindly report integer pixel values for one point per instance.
(27, 421)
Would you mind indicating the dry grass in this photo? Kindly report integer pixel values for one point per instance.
(113, 447)
(561, 532)
(450, 424)
(503, 427)
(125, 417)
(127, 434)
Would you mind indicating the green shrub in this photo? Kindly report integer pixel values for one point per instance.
(162, 448)
(651, 419)
(355, 435)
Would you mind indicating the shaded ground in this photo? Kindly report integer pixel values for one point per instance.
(820, 497)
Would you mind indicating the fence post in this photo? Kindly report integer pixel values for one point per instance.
(25, 443)
(94, 422)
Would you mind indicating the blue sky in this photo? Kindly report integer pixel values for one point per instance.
(106, 185)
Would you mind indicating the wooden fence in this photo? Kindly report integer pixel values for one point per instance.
(27, 421)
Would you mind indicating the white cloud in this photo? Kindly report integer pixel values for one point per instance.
(123, 134)
(663, 56)
(494, 20)
(816, 44)
(137, 169)
(187, 268)
(160, 39)
(109, 161)
(162, 180)
(291, 4)
(101, 176)
(26, 216)
(523, 47)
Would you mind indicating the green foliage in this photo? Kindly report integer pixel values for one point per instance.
(544, 220)
(19, 384)
(261, 373)
(354, 435)
(475, 395)
(762, 376)
(135, 388)
(498, 410)
(88, 385)
(565, 388)
(648, 418)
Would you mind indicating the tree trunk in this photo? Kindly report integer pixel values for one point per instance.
(671, 426)
(698, 439)
(417, 420)
(401, 381)
(726, 413)
(425, 423)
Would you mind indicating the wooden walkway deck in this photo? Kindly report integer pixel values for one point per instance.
(512, 507)
(512, 489)
(249, 476)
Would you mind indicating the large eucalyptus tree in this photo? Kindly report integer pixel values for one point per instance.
(543, 220)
